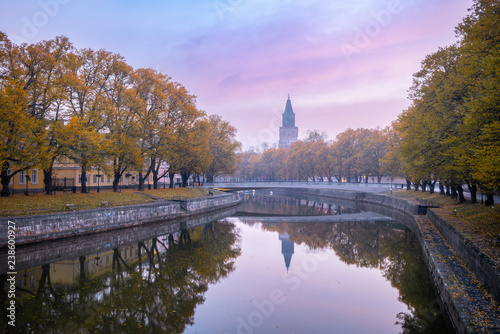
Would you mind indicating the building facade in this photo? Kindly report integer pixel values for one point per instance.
(289, 133)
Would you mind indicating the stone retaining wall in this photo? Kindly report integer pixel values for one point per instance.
(485, 269)
(34, 254)
(67, 224)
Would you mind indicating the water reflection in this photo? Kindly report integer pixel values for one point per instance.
(221, 277)
(276, 203)
(388, 247)
(152, 286)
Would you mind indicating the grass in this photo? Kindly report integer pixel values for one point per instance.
(20, 205)
(184, 192)
(483, 218)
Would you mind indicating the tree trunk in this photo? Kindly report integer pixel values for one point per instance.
(417, 185)
(441, 188)
(453, 191)
(490, 200)
(47, 180)
(432, 186)
(460, 190)
(140, 187)
(408, 184)
(84, 179)
(185, 179)
(5, 180)
(424, 186)
(156, 171)
(116, 180)
(171, 175)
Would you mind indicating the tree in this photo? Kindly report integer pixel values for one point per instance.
(479, 67)
(391, 163)
(222, 147)
(46, 95)
(121, 127)
(88, 84)
(21, 130)
(153, 93)
(84, 146)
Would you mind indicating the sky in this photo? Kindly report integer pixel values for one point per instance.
(345, 64)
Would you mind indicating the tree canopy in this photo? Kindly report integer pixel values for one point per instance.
(91, 108)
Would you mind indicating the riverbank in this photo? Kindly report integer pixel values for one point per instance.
(37, 228)
(21, 205)
(466, 277)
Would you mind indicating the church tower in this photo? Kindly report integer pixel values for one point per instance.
(288, 132)
(287, 248)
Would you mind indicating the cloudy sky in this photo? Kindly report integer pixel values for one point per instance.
(344, 63)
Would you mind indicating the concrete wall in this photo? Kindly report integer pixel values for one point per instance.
(67, 224)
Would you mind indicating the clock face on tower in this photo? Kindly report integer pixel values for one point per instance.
(288, 131)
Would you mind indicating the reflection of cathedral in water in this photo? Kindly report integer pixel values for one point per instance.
(287, 248)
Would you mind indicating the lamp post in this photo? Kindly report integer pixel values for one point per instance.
(27, 179)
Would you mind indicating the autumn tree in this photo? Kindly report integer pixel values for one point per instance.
(84, 146)
(22, 130)
(46, 93)
(122, 129)
(479, 67)
(222, 147)
(87, 86)
(154, 116)
(451, 131)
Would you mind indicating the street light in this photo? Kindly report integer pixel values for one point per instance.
(27, 179)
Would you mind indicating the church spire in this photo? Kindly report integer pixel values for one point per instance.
(287, 248)
(288, 115)
(288, 132)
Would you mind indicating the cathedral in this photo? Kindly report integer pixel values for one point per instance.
(288, 131)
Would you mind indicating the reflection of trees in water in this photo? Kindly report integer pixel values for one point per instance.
(396, 252)
(289, 206)
(156, 293)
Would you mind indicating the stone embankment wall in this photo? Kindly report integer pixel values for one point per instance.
(48, 252)
(38, 228)
(456, 265)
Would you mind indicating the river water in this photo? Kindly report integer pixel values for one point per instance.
(280, 264)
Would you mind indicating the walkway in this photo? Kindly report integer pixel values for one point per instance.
(364, 187)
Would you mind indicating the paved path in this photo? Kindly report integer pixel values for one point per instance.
(353, 217)
(364, 187)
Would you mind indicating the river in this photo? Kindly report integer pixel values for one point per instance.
(276, 264)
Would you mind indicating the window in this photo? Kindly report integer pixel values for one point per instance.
(34, 176)
(109, 179)
(9, 172)
(95, 178)
(102, 178)
(22, 179)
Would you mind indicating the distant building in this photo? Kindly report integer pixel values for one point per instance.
(288, 132)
